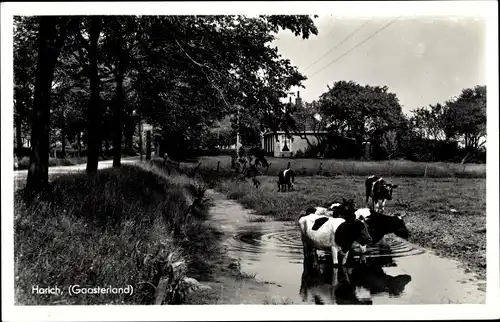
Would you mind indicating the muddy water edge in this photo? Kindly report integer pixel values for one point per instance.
(263, 264)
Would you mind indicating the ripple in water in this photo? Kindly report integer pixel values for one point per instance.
(286, 242)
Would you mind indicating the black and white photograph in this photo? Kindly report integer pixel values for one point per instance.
(169, 160)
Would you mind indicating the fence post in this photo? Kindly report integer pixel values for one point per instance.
(425, 171)
(218, 166)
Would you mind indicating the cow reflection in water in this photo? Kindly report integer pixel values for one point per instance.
(328, 285)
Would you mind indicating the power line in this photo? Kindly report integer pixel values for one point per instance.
(337, 45)
(359, 44)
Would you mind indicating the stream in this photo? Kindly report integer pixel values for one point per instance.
(396, 272)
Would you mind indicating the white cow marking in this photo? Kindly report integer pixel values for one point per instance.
(362, 213)
(334, 205)
(321, 211)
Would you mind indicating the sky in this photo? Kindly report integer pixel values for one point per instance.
(422, 60)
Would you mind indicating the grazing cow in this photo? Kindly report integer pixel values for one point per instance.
(379, 191)
(286, 180)
(380, 224)
(331, 234)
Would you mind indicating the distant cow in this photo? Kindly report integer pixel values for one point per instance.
(286, 180)
(331, 234)
(379, 191)
(380, 224)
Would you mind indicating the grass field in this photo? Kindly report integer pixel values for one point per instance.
(122, 227)
(427, 201)
(331, 167)
(427, 192)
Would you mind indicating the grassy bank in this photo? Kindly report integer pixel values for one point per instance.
(122, 227)
(427, 201)
(331, 167)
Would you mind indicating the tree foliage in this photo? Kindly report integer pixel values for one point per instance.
(371, 113)
(467, 116)
(356, 111)
(179, 73)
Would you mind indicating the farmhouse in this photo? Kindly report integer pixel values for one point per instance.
(279, 144)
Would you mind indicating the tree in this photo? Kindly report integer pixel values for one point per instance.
(215, 63)
(120, 44)
(467, 116)
(180, 74)
(51, 36)
(358, 111)
(433, 122)
(94, 114)
(25, 56)
(390, 143)
(306, 119)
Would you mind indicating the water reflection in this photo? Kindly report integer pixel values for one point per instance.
(350, 285)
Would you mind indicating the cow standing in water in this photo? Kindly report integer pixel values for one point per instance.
(379, 191)
(286, 179)
(319, 232)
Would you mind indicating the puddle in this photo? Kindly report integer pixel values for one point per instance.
(396, 272)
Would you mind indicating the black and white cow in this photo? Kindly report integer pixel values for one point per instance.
(344, 209)
(286, 179)
(319, 232)
(379, 191)
(380, 224)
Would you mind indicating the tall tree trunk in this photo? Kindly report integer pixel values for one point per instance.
(63, 138)
(118, 118)
(148, 145)
(49, 45)
(79, 144)
(130, 138)
(94, 111)
(19, 135)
